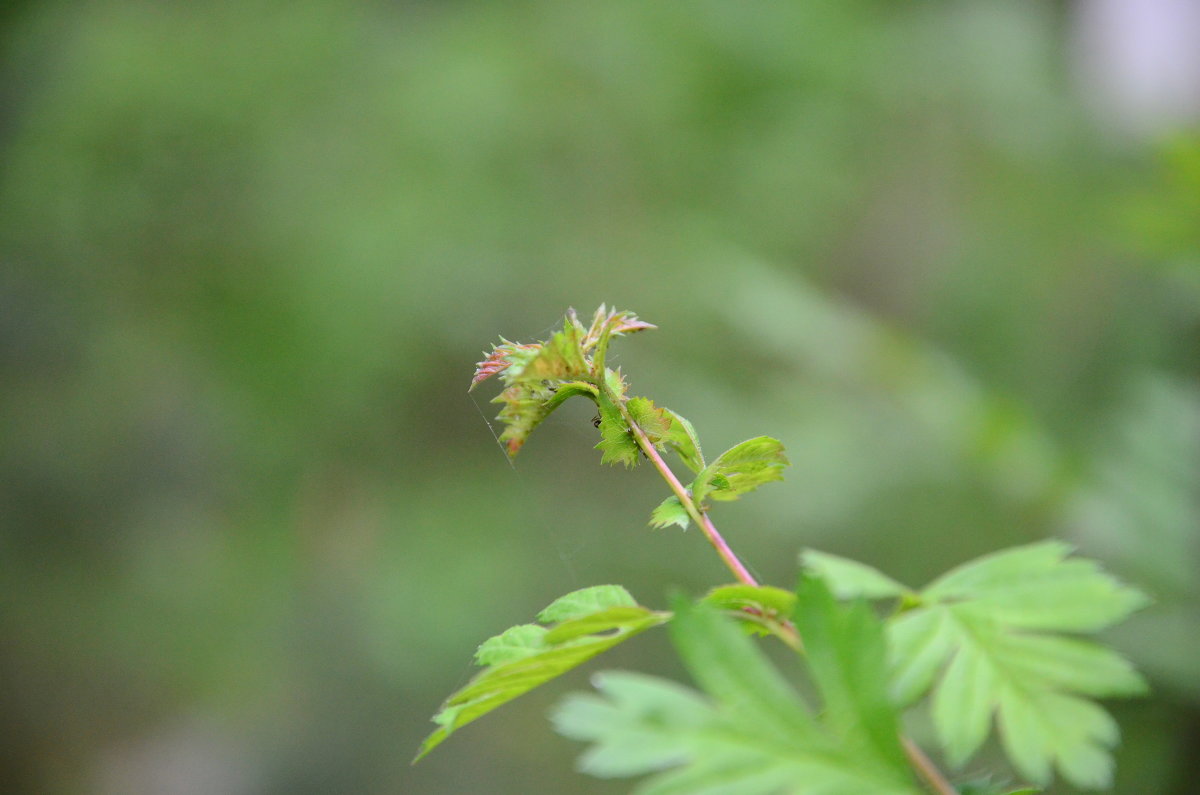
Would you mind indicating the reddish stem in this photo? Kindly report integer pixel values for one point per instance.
(699, 517)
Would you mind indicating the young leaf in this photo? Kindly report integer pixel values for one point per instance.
(653, 421)
(560, 358)
(742, 468)
(682, 438)
(616, 442)
(752, 736)
(850, 579)
(670, 511)
(523, 410)
(538, 377)
(979, 638)
(605, 326)
(500, 358)
(589, 622)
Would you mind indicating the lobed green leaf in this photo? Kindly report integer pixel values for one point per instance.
(729, 667)
(525, 406)
(847, 655)
(753, 735)
(585, 623)
(979, 640)
(850, 579)
(1038, 587)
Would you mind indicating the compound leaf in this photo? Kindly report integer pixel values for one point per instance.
(848, 658)
(850, 579)
(500, 358)
(583, 624)
(749, 733)
(981, 638)
(1038, 587)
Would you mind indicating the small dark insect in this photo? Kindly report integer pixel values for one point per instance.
(596, 421)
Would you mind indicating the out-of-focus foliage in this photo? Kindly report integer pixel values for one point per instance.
(248, 252)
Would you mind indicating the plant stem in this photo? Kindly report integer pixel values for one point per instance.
(922, 764)
(926, 769)
(698, 516)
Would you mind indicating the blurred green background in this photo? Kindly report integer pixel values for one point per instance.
(253, 526)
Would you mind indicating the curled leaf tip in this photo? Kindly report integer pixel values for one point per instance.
(497, 361)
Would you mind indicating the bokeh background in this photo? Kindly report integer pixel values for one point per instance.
(252, 525)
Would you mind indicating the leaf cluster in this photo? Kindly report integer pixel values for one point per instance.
(998, 640)
(750, 731)
(997, 643)
(539, 376)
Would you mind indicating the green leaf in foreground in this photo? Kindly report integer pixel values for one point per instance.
(750, 733)
(848, 656)
(850, 579)
(741, 468)
(763, 609)
(982, 639)
(582, 624)
(765, 598)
